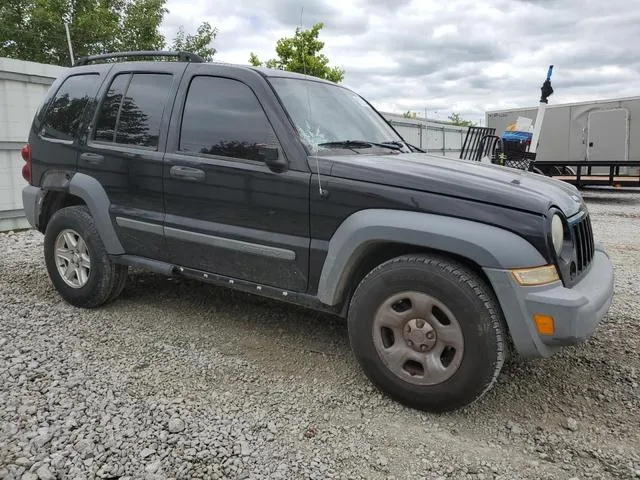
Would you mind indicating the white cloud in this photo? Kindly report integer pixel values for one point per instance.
(454, 55)
(448, 30)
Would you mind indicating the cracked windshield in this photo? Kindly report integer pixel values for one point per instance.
(328, 117)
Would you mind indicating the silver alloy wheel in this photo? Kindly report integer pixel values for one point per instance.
(72, 258)
(418, 338)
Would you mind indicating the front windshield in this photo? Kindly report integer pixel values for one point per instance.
(326, 113)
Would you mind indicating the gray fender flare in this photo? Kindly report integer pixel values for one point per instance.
(487, 246)
(90, 190)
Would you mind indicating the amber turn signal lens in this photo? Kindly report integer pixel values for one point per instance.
(544, 324)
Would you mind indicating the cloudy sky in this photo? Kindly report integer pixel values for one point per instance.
(467, 56)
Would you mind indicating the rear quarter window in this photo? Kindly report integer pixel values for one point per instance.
(63, 114)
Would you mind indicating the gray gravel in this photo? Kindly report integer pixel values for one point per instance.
(182, 380)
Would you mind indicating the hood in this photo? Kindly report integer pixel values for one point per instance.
(506, 187)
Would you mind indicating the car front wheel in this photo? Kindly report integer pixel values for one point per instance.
(427, 331)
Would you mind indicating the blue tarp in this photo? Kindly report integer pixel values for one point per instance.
(516, 136)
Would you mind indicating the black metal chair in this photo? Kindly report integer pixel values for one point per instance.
(477, 144)
(482, 142)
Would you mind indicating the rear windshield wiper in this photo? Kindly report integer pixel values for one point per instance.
(360, 144)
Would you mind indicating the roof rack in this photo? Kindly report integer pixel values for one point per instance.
(182, 56)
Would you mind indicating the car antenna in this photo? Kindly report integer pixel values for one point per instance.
(314, 143)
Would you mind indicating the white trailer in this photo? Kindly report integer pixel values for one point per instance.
(595, 139)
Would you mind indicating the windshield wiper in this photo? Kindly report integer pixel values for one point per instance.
(362, 144)
(408, 145)
(400, 145)
(411, 147)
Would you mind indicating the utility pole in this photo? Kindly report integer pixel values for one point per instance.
(66, 27)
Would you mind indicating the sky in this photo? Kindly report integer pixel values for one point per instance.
(443, 56)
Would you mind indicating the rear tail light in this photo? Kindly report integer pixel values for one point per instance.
(26, 156)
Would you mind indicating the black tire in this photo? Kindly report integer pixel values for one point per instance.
(105, 279)
(122, 275)
(554, 171)
(459, 291)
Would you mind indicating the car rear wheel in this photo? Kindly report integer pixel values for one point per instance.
(428, 332)
(77, 261)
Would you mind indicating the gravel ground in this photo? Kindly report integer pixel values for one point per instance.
(183, 380)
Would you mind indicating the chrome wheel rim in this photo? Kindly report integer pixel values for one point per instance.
(418, 338)
(72, 258)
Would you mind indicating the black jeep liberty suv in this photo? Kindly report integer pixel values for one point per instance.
(298, 189)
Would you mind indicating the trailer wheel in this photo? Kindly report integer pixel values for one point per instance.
(560, 171)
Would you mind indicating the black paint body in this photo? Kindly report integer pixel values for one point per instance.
(189, 207)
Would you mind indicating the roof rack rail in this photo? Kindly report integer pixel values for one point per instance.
(182, 56)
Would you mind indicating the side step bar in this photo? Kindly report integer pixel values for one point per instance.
(297, 298)
(154, 266)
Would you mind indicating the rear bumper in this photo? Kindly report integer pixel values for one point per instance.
(31, 201)
(576, 311)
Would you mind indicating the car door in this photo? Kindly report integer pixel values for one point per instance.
(227, 211)
(125, 146)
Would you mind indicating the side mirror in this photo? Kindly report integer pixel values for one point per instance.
(271, 157)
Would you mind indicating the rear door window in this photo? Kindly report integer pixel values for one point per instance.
(64, 113)
(106, 123)
(132, 109)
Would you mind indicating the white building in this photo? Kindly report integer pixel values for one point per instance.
(22, 88)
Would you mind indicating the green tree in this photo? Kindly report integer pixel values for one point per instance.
(254, 60)
(457, 119)
(199, 43)
(34, 29)
(301, 53)
(410, 114)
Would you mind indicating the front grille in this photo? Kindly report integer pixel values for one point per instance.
(583, 240)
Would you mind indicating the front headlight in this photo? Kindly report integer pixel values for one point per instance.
(536, 276)
(557, 233)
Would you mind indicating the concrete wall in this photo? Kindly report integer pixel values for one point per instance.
(436, 137)
(22, 88)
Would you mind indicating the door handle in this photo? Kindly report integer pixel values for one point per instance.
(187, 173)
(92, 158)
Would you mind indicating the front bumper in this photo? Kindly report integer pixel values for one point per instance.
(576, 311)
